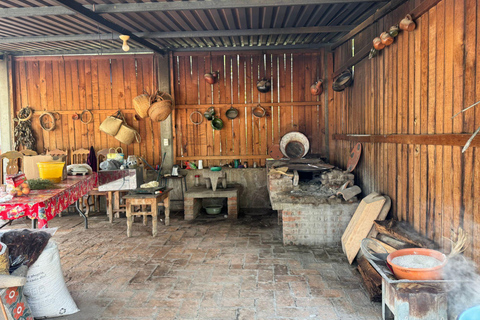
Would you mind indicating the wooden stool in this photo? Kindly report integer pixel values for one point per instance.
(144, 200)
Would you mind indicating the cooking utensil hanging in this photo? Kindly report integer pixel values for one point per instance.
(199, 117)
(51, 123)
(259, 111)
(343, 81)
(217, 124)
(231, 113)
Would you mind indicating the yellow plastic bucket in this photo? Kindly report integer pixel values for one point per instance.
(51, 171)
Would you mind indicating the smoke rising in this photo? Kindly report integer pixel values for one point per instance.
(464, 293)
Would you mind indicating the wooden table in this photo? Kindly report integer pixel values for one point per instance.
(44, 205)
(144, 200)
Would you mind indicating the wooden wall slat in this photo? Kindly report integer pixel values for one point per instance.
(74, 84)
(413, 88)
(291, 75)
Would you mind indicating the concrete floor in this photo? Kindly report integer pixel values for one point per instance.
(211, 268)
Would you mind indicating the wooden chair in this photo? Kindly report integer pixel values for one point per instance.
(59, 153)
(79, 156)
(28, 152)
(14, 164)
(101, 155)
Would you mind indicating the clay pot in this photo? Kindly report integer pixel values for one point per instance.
(377, 44)
(211, 77)
(407, 23)
(317, 88)
(393, 31)
(386, 38)
(373, 53)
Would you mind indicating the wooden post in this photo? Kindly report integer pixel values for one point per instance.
(6, 116)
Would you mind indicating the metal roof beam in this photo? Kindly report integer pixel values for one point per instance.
(178, 34)
(165, 6)
(80, 9)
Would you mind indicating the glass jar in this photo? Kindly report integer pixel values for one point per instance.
(197, 180)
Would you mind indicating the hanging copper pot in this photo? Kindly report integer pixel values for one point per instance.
(407, 23)
(377, 44)
(386, 38)
(317, 88)
(211, 77)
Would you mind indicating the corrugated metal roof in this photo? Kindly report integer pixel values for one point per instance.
(34, 29)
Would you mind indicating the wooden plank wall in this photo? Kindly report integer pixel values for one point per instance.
(414, 87)
(102, 84)
(247, 138)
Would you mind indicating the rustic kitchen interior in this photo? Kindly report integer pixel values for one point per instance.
(240, 159)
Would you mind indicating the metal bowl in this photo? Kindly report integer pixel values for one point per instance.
(294, 145)
(259, 111)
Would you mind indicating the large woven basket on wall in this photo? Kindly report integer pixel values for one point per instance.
(141, 104)
(161, 107)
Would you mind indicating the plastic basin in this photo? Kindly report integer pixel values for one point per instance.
(213, 209)
(51, 171)
(434, 273)
(471, 314)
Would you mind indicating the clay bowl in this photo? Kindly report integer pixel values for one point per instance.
(434, 273)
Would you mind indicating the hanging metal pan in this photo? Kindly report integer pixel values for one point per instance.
(231, 113)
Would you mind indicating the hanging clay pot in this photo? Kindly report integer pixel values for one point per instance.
(386, 38)
(407, 23)
(393, 31)
(211, 77)
(317, 88)
(377, 44)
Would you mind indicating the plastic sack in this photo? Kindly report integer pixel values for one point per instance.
(45, 289)
(24, 246)
(110, 164)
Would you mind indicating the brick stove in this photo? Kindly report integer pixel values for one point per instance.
(311, 212)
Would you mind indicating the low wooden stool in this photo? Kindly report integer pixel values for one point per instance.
(144, 200)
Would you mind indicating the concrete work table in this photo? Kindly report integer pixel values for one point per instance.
(192, 203)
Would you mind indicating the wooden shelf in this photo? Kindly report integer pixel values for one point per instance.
(422, 139)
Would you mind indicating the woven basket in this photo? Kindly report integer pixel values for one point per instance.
(141, 104)
(127, 134)
(160, 109)
(112, 124)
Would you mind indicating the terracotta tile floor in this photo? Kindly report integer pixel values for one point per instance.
(207, 269)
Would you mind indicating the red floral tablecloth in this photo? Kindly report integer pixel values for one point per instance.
(44, 205)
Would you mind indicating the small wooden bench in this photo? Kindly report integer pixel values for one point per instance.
(144, 200)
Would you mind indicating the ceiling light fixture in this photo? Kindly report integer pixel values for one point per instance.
(124, 38)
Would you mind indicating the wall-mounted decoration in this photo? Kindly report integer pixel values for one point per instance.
(377, 44)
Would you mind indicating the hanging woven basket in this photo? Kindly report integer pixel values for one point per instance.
(141, 104)
(161, 107)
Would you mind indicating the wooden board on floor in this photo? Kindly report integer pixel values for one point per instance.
(371, 208)
(371, 279)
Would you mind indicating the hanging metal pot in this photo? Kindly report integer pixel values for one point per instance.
(209, 114)
(264, 85)
(231, 113)
(343, 81)
(217, 124)
(259, 111)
